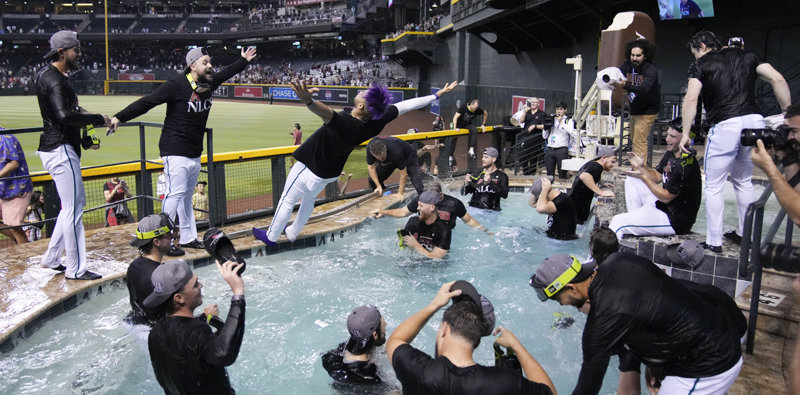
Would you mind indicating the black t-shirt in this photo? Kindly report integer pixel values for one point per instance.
(487, 196)
(561, 224)
(357, 372)
(467, 116)
(449, 209)
(139, 287)
(680, 177)
(398, 153)
(421, 374)
(636, 304)
(729, 83)
(643, 86)
(690, 9)
(436, 234)
(325, 152)
(534, 118)
(187, 111)
(581, 194)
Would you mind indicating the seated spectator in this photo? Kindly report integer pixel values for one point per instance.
(454, 369)
(488, 186)
(559, 207)
(587, 182)
(115, 190)
(200, 201)
(666, 209)
(426, 233)
(558, 139)
(352, 361)
(34, 213)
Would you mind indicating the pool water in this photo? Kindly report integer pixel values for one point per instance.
(297, 304)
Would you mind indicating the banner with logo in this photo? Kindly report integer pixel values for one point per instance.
(136, 77)
(221, 91)
(332, 95)
(284, 93)
(248, 91)
(518, 102)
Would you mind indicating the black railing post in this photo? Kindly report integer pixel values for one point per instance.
(219, 204)
(278, 179)
(144, 185)
(755, 248)
(213, 201)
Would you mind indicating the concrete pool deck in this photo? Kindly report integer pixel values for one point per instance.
(30, 295)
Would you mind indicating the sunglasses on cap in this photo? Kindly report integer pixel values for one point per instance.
(157, 232)
(559, 283)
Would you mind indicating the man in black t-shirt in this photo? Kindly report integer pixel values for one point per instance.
(384, 155)
(532, 150)
(587, 183)
(448, 209)
(351, 361)
(667, 209)
(488, 186)
(636, 305)
(465, 118)
(690, 9)
(426, 233)
(453, 370)
(727, 80)
(559, 207)
(321, 158)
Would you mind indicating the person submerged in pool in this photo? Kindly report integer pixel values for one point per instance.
(351, 362)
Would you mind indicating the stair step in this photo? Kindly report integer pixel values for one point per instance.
(774, 304)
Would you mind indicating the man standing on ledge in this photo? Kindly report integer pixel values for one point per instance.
(321, 158)
(189, 99)
(488, 186)
(464, 118)
(60, 151)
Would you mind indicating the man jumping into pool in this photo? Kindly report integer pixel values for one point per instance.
(321, 158)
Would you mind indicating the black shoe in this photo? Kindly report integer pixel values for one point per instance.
(59, 268)
(733, 237)
(87, 276)
(715, 249)
(193, 244)
(175, 251)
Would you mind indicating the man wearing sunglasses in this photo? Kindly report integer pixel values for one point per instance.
(636, 305)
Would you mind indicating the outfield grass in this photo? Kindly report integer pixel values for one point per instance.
(237, 126)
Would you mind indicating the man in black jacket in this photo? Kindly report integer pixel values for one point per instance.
(189, 99)
(60, 152)
(488, 186)
(187, 357)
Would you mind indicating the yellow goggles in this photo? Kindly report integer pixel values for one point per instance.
(153, 233)
(559, 283)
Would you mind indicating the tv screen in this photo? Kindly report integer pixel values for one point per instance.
(685, 9)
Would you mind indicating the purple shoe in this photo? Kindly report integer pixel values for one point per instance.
(262, 235)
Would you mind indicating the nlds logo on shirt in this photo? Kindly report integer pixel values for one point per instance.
(197, 105)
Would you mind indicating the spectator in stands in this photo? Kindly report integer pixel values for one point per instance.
(15, 193)
(34, 213)
(115, 190)
(200, 201)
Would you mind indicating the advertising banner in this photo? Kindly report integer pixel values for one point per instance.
(221, 91)
(332, 95)
(136, 77)
(284, 93)
(248, 91)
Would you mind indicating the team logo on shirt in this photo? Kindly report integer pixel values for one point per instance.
(444, 215)
(425, 241)
(667, 173)
(195, 104)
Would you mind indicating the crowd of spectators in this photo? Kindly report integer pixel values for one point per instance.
(269, 16)
(340, 73)
(429, 25)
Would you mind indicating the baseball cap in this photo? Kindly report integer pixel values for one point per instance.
(150, 227)
(491, 151)
(193, 55)
(430, 197)
(536, 187)
(62, 39)
(470, 294)
(689, 252)
(167, 279)
(557, 271)
(361, 323)
(604, 150)
(736, 42)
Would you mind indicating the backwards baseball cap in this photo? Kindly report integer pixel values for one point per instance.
(604, 150)
(193, 55)
(167, 279)
(556, 272)
(471, 295)
(430, 197)
(689, 252)
(150, 227)
(63, 39)
(491, 151)
(362, 322)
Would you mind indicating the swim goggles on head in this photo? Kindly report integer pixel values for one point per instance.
(559, 283)
(153, 233)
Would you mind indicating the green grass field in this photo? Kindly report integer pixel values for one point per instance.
(237, 126)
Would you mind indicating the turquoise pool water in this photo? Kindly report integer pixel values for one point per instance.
(297, 304)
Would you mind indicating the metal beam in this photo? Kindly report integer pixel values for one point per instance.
(526, 32)
(556, 24)
(606, 20)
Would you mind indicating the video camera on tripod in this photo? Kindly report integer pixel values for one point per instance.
(781, 257)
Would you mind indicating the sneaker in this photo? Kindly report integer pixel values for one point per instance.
(261, 234)
(87, 275)
(175, 251)
(59, 268)
(733, 237)
(715, 249)
(193, 244)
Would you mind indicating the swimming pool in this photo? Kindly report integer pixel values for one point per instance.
(298, 302)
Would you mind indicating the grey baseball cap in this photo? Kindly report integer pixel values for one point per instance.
(62, 39)
(491, 151)
(688, 252)
(430, 197)
(193, 55)
(363, 321)
(536, 187)
(604, 150)
(557, 271)
(150, 227)
(167, 279)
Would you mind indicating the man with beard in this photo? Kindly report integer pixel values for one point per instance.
(60, 150)
(488, 186)
(352, 361)
(636, 305)
(189, 99)
(426, 233)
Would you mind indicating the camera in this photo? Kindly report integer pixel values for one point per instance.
(780, 257)
(777, 138)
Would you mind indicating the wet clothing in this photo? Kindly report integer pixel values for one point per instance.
(421, 374)
(139, 287)
(61, 113)
(11, 150)
(436, 234)
(487, 196)
(449, 209)
(636, 304)
(561, 224)
(690, 9)
(189, 359)
(680, 177)
(326, 150)
(729, 83)
(399, 155)
(643, 87)
(356, 372)
(581, 194)
(187, 111)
